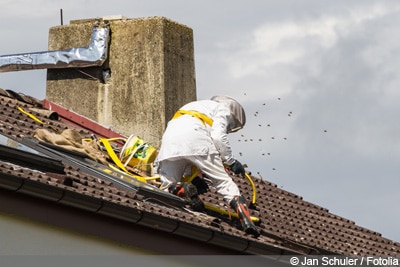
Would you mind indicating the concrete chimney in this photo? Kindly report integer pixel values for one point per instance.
(148, 75)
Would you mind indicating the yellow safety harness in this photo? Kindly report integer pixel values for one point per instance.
(203, 118)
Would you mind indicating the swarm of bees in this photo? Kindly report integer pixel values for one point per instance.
(258, 115)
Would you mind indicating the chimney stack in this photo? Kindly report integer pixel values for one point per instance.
(148, 75)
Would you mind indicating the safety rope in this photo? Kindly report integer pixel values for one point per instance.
(253, 187)
(33, 117)
(116, 160)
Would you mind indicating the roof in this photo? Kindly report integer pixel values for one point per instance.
(289, 224)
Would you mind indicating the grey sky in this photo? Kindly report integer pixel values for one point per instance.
(318, 79)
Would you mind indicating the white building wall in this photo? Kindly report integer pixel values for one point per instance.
(21, 236)
(25, 242)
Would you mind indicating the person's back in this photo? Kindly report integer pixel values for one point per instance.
(197, 136)
(189, 135)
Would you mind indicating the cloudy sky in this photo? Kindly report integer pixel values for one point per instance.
(319, 81)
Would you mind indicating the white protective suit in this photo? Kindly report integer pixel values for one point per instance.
(189, 141)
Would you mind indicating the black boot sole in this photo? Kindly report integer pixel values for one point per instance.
(193, 198)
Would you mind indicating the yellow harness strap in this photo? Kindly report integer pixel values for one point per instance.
(33, 117)
(204, 118)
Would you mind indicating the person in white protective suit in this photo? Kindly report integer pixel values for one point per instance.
(197, 135)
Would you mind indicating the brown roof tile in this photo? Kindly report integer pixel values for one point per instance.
(287, 221)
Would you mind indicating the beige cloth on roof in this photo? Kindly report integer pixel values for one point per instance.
(70, 139)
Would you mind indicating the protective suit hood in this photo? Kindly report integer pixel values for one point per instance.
(238, 116)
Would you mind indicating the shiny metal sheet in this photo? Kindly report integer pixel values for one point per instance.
(93, 55)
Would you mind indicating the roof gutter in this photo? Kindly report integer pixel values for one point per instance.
(141, 216)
